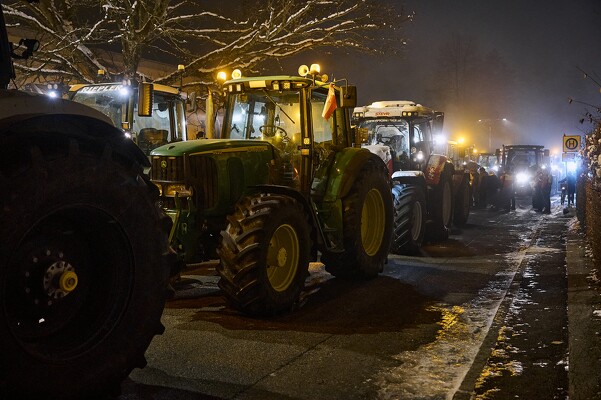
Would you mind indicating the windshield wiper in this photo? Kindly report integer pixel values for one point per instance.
(278, 106)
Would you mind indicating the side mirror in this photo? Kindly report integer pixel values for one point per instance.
(125, 117)
(348, 96)
(438, 121)
(145, 99)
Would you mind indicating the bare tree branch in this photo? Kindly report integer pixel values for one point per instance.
(76, 35)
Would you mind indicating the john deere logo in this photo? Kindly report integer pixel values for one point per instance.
(163, 164)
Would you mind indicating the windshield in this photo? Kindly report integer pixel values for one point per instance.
(149, 132)
(271, 116)
(523, 159)
(394, 134)
(107, 99)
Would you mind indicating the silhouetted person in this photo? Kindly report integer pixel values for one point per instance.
(493, 186)
(544, 181)
(482, 188)
(571, 179)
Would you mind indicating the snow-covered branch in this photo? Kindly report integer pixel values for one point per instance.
(77, 35)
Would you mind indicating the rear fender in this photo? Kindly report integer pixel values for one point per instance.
(343, 172)
(410, 177)
(347, 165)
(384, 153)
(435, 167)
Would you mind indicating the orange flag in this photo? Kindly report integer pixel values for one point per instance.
(330, 105)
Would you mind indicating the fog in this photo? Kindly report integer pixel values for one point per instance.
(543, 42)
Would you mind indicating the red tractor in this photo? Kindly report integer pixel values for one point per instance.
(402, 133)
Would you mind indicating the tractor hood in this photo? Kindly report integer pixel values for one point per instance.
(210, 146)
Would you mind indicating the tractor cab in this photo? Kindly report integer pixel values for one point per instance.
(286, 112)
(151, 120)
(406, 127)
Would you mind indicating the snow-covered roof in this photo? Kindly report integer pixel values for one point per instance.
(394, 108)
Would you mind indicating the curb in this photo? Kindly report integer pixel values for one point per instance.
(584, 325)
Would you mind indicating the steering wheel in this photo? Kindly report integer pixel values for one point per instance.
(272, 129)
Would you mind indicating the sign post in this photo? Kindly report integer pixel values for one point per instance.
(571, 145)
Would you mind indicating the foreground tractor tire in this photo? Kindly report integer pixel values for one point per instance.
(264, 253)
(84, 266)
(367, 220)
(463, 203)
(409, 218)
(440, 206)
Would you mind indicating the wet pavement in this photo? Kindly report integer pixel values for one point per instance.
(483, 315)
(529, 354)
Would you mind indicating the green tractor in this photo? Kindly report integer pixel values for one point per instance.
(286, 184)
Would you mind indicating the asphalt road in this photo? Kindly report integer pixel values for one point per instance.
(482, 315)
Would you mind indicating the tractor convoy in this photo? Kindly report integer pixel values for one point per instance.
(105, 200)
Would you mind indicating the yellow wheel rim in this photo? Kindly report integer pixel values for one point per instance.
(373, 222)
(282, 258)
(68, 281)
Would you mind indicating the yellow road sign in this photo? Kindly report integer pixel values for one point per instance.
(571, 143)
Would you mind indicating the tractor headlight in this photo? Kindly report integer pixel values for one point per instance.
(522, 178)
(180, 190)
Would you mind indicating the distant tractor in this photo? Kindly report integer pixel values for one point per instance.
(163, 123)
(465, 179)
(519, 164)
(488, 161)
(403, 132)
(282, 185)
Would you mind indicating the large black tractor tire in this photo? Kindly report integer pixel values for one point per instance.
(367, 224)
(84, 266)
(409, 203)
(265, 253)
(440, 207)
(463, 203)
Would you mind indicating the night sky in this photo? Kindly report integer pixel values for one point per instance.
(543, 42)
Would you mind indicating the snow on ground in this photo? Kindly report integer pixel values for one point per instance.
(436, 370)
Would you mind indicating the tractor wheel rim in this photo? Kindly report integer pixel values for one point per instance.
(64, 299)
(372, 222)
(282, 257)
